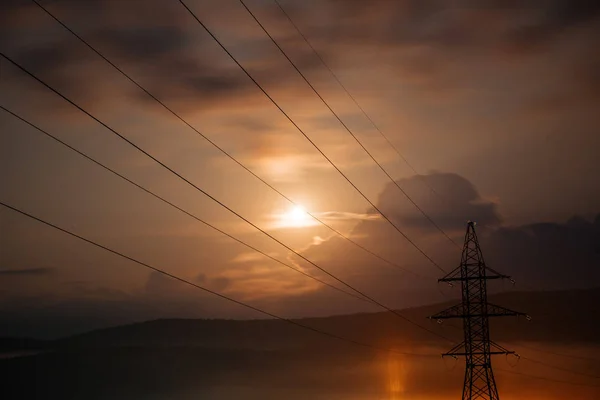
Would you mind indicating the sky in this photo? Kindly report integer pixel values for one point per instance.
(493, 103)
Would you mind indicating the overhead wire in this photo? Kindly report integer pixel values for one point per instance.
(316, 92)
(205, 289)
(563, 369)
(571, 371)
(246, 305)
(259, 310)
(165, 166)
(363, 111)
(544, 378)
(215, 145)
(177, 207)
(251, 307)
(555, 353)
(267, 313)
(435, 264)
(362, 146)
(195, 285)
(243, 243)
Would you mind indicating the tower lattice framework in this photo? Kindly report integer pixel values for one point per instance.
(474, 310)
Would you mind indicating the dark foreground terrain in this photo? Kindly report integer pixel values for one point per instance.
(218, 359)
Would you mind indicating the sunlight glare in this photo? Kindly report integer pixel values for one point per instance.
(296, 217)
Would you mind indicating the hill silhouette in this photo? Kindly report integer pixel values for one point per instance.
(554, 319)
(268, 359)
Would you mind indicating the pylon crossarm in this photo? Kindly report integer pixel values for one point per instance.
(497, 275)
(493, 310)
(455, 350)
(499, 311)
(476, 353)
(497, 349)
(472, 278)
(452, 312)
(454, 275)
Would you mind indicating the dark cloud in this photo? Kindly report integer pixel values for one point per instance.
(546, 255)
(426, 42)
(438, 45)
(458, 201)
(540, 256)
(459, 24)
(27, 272)
(562, 14)
(163, 53)
(170, 56)
(433, 44)
(143, 43)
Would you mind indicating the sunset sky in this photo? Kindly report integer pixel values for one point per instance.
(496, 104)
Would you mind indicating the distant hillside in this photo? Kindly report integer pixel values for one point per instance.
(7, 344)
(558, 316)
(267, 359)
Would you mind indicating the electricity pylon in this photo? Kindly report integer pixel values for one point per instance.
(474, 311)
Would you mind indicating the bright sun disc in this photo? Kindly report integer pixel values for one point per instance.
(298, 213)
(296, 217)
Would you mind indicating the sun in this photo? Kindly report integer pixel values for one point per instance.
(295, 217)
(297, 214)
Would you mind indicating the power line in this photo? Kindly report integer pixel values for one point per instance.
(187, 282)
(347, 128)
(561, 368)
(559, 354)
(267, 313)
(290, 321)
(219, 202)
(309, 139)
(355, 101)
(287, 320)
(177, 207)
(546, 378)
(202, 288)
(217, 146)
(569, 370)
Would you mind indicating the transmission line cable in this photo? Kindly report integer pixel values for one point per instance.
(177, 207)
(334, 75)
(187, 282)
(280, 262)
(569, 370)
(243, 304)
(226, 153)
(310, 140)
(383, 306)
(508, 371)
(347, 128)
(559, 354)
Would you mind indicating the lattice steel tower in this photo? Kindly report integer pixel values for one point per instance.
(474, 311)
